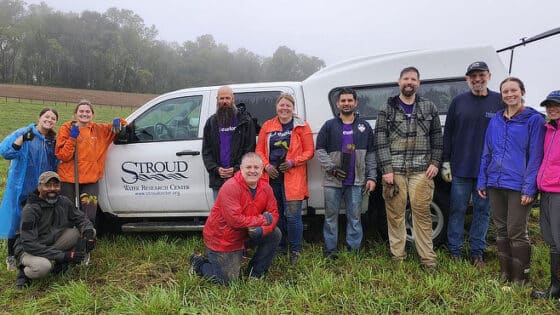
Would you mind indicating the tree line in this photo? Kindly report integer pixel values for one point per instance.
(116, 51)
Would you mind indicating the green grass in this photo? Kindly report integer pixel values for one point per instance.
(149, 274)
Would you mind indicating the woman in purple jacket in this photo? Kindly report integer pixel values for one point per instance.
(512, 154)
(548, 181)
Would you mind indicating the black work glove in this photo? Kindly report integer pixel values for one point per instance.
(268, 218)
(339, 173)
(90, 240)
(74, 256)
(28, 135)
(255, 232)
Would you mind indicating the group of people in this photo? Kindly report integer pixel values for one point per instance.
(49, 206)
(491, 151)
(495, 152)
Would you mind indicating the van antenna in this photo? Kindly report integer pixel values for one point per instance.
(525, 41)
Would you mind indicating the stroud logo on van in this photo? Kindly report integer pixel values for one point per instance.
(160, 171)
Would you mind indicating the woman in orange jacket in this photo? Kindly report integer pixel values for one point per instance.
(286, 144)
(89, 141)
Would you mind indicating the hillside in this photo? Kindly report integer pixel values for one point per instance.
(43, 93)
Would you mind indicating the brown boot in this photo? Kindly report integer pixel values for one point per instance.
(504, 256)
(520, 263)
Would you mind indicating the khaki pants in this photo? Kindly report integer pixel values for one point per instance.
(420, 189)
(38, 267)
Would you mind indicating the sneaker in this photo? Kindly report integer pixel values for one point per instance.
(196, 261)
(478, 261)
(294, 257)
(22, 281)
(11, 264)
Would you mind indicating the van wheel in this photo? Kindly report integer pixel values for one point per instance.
(107, 224)
(439, 221)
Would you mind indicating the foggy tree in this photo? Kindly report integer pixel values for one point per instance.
(115, 50)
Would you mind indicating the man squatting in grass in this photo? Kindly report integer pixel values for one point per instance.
(244, 215)
(463, 139)
(49, 235)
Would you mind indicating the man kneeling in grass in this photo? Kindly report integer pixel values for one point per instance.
(244, 215)
(49, 235)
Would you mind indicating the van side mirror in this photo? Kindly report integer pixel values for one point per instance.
(123, 135)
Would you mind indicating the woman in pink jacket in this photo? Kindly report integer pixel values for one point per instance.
(548, 182)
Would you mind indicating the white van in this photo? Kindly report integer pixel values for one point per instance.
(154, 175)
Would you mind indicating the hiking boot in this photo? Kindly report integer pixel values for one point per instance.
(196, 261)
(11, 264)
(456, 259)
(478, 262)
(59, 268)
(22, 281)
(330, 255)
(294, 257)
(553, 291)
(432, 268)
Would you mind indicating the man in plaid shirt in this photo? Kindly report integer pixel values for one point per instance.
(409, 144)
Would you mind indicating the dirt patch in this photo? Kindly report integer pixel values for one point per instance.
(73, 96)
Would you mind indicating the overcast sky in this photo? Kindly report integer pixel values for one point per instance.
(338, 30)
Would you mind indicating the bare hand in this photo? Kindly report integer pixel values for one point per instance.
(370, 186)
(525, 200)
(432, 171)
(482, 193)
(388, 178)
(225, 172)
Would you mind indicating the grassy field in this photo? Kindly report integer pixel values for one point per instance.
(149, 274)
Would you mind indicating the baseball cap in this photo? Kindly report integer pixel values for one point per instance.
(553, 96)
(477, 65)
(46, 176)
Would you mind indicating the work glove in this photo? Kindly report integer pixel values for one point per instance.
(74, 131)
(268, 218)
(272, 171)
(286, 166)
(28, 135)
(339, 173)
(446, 172)
(116, 128)
(74, 256)
(255, 232)
(90, 240)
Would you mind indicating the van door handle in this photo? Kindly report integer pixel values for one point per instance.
(187, 152)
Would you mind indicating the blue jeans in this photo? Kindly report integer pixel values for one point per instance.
(353, 200)
(461, 190)
(289, 221)
(224, 267)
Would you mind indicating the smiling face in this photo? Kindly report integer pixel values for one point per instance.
(409, 83)
(47, 121)
(50, 190)
(285, 110)
(512, 93)
(553, 110)
(251, 169)
(346, 104)
(83, 114)
(478, 81)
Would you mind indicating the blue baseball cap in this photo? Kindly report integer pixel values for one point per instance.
(553, 96)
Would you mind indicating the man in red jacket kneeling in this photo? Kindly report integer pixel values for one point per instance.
(243, 216)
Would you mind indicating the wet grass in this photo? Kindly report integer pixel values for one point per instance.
(149, 274)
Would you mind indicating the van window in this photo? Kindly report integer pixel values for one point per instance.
(372, 98)
(173, 119)
(260, 105)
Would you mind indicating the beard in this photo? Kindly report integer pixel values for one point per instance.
(51, 197)
(225, 114)
(408, 93)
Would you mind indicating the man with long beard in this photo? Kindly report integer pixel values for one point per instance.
(49, 232)
(408, 144)
(228, 135)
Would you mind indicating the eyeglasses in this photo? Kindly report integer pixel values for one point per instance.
(51, 185)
